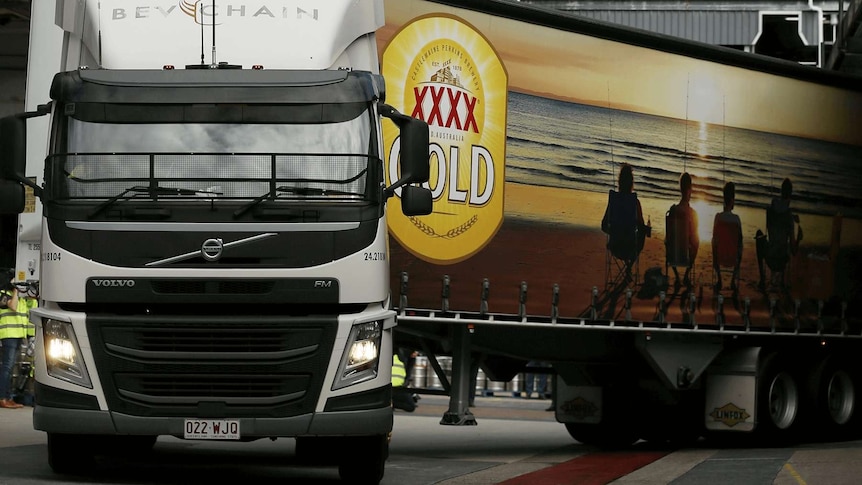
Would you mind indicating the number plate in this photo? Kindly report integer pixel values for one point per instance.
(211, 429)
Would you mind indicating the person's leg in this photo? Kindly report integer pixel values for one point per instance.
(402, 399)
(8, 354)
(542, 385)
(474, 378)
(528, 385)
(716, 270)
(760, 250)
(735, 277)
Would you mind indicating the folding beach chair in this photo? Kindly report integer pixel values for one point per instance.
(726, 252)
(621, 257)
(677, 253)
(779, 230)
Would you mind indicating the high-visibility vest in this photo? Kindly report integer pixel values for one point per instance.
(399, 373)
(11, 321)
(30, 303)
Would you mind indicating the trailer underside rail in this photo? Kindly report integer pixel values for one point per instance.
(473, 336)
(415, 315)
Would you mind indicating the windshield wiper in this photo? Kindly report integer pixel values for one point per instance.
(152, 191)
(289, 189)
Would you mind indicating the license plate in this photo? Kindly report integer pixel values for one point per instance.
(211, 429)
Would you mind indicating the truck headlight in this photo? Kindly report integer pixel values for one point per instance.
(62, 353)
(360, 360)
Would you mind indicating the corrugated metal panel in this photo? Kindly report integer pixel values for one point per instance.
(711, 27)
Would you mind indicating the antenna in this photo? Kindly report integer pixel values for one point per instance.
(723, 138)
(611, 133)
(685, 138)
(202, 32)
(214, 64)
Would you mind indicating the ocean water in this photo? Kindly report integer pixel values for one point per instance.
(568, 145)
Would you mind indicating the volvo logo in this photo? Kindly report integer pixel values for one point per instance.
(126, 283)
(211, 249)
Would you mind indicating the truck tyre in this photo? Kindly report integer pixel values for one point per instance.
(615, 429)
(134, 445)
(602, 435)
(832, 399)
(777, 400)
(318, 450)
(365, 460)
(71, 454)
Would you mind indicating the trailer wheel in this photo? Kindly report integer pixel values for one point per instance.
(778, 400)
(365, 460)
(832, 397)
(839, 396)
(71, 454)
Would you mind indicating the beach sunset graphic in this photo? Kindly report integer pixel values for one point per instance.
(579, 107)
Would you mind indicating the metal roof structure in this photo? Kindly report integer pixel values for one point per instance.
(813, 32)
(847, 54)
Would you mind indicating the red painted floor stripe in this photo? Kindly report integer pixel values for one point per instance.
(591, 469)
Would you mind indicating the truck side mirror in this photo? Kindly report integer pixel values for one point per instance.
(414, 158)
(11, 197)
(414, 163)
(416, 201)
(13, 140)
(414, 151)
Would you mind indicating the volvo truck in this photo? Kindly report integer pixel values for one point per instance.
(209, 184)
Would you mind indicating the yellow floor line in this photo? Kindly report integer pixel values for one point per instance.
(794, 474)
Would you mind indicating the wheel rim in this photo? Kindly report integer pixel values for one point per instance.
(783, 401)
(841, 397)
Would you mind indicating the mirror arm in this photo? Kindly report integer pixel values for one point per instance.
(393, 114)
(41, 110)
(29, 183)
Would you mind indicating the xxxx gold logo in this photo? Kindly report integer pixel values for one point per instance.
(729, 414)
(456, 101)
(444, 72)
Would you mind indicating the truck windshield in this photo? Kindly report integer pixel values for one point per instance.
(320, 161)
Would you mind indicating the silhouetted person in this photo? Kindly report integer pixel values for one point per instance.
(682, 241)
(780, 241)
(623, 221)
(727, 226)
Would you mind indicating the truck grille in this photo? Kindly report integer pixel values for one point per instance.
(235, 365)
(191, 388)
(226, 287)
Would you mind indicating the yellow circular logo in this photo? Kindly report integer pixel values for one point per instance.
(442, 71)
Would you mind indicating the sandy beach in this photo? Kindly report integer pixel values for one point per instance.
(552, 236)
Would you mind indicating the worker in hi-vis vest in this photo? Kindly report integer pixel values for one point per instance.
(12, 333)
(402, 397)
(28, 299)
